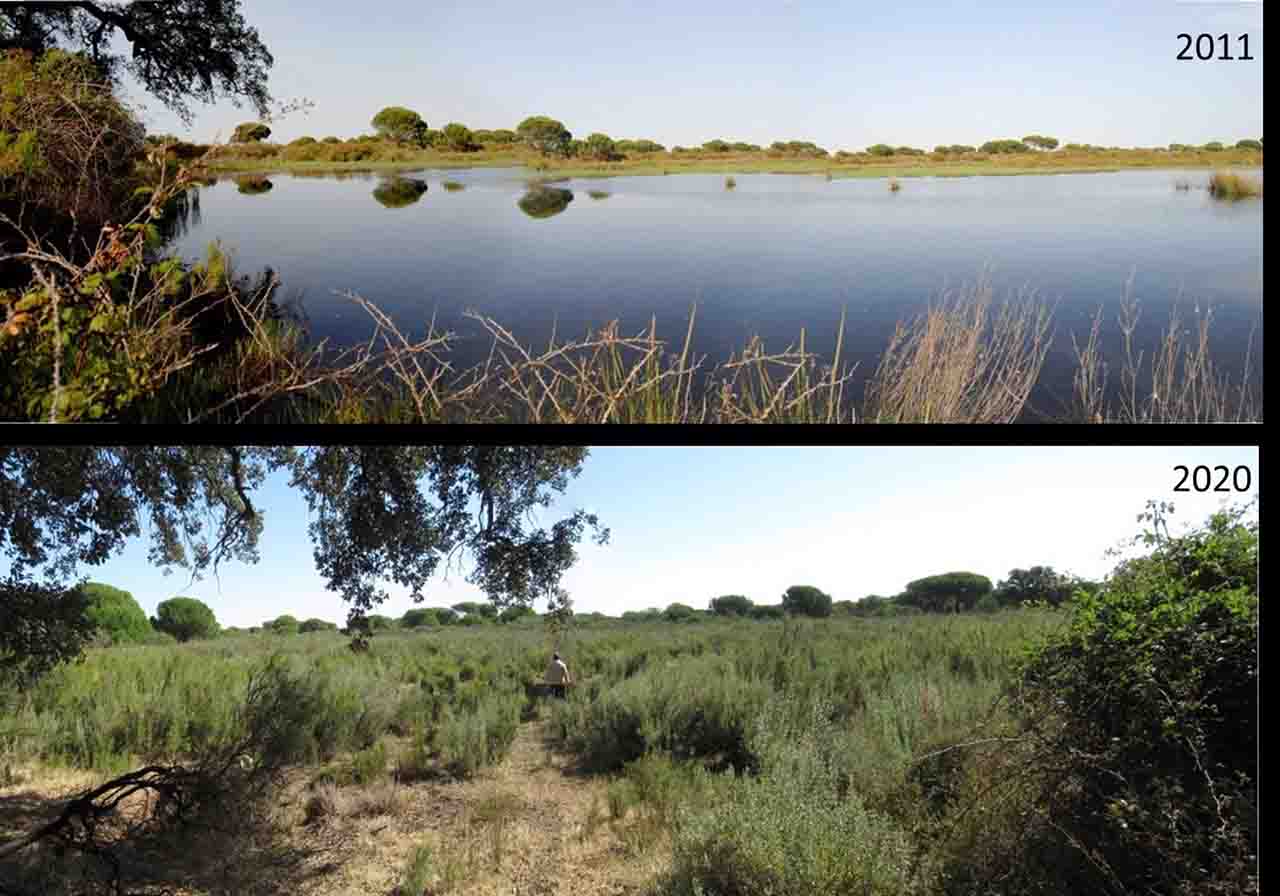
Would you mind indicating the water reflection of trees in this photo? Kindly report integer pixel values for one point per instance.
(180, 216)
(545, 202)
(253, 184)
(399, 192)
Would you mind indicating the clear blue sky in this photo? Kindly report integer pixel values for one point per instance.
(842, 74)
(690, 524)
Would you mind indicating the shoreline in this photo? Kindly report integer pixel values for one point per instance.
(817, 168)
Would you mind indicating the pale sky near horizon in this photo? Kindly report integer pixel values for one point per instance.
(689, 524)
(844, 75)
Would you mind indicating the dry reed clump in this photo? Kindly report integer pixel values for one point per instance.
(1178, 383)
(611, 378)
(961, 361)
(1227, 185)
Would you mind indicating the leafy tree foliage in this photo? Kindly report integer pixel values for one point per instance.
(678, 612)
(1039, 583)
(457, 137)
(744, 147)
(732, 605)
(472, 608)
(773, 611)
(954, 591)
(317, 625)
(639, 146)
(40, 626)
(180, 50)
(1249, 144)
(880, 149)
(600, 147)
(1144, 718)
(251, 132)
(283, 625)
(1004, 146)
(1213, 146)
(67, 144)
(805, 600)
(115, 613)
(1039, 141)
(185, 618)
(545, 135)
(419, 617)
(716, 146)
(400, 125)
(380, 513)
(799, 148)
(515, 614)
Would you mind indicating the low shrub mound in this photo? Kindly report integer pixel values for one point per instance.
(1225, 185)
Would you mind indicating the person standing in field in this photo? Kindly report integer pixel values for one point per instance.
(558, 676)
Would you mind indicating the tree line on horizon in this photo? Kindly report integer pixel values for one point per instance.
(119, 619)
(549, 137)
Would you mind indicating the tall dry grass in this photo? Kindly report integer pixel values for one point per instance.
(1177, 382)
(962, 361)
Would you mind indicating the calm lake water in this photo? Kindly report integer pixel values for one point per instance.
(778, 253)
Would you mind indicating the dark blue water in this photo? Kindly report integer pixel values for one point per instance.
(777, 254)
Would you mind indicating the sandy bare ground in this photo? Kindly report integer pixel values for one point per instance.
(529, 826)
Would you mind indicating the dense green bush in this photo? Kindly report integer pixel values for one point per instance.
(251, 132)
(793, 829)
(732, 605)
(457, 138)
(952, 591)
(1137, 769)
(880, 149)
(419, 617)
(282, 625)
(400, 125)
(1249, 144)
(805, 600)
(67, 144)
(1004, 146)
(678, 612)
(317, 625)
(1213, 146)
(185, 618)
(600, 147)
(115, 614)
(545, 135)
(1039, 141)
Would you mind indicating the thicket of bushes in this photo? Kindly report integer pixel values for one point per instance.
(1106, 746)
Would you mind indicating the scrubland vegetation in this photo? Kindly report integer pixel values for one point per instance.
(1096, 738)
(402, 137)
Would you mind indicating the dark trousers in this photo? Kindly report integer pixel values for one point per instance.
(557, 691)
